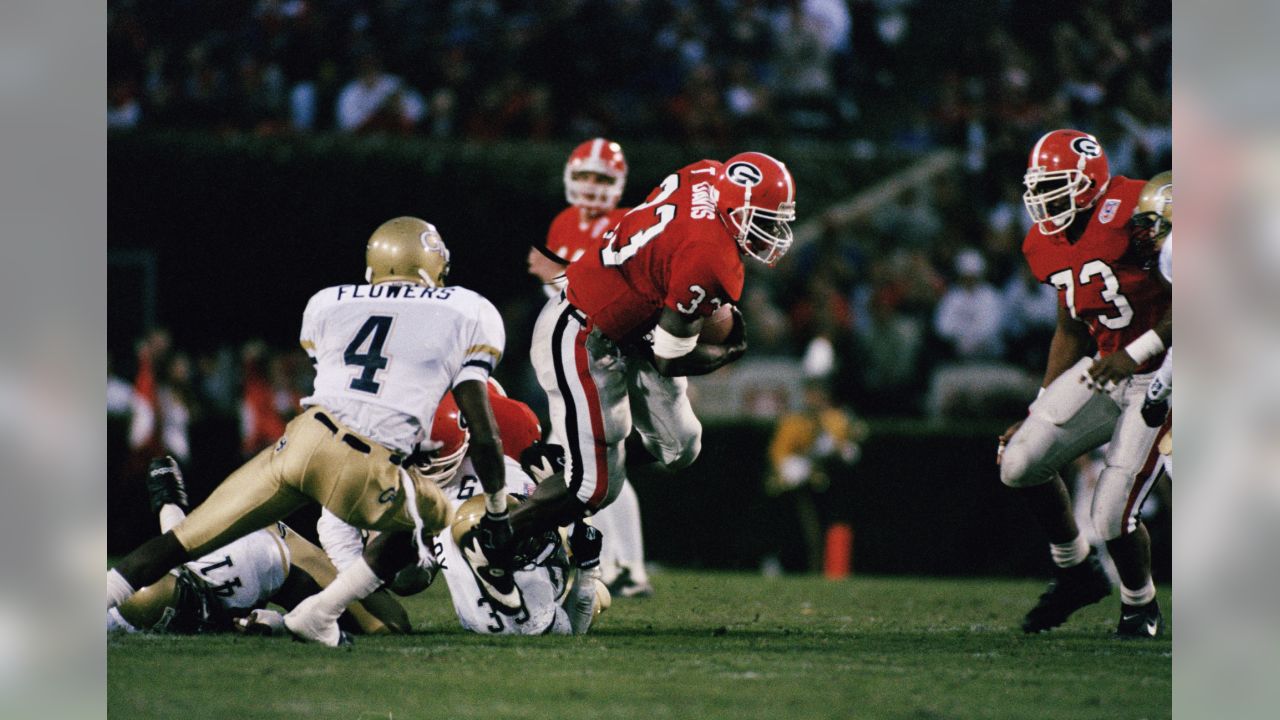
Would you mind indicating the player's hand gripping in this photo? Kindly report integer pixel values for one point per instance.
(1106, 372)
(736, 342)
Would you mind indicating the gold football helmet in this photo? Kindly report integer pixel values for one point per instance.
(149, 607)
(1153, 217)
(406, 249)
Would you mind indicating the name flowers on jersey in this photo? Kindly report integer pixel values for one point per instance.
(406, 291)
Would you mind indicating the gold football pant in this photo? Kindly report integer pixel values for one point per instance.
(317, 459)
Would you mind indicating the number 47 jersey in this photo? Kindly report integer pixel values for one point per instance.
(386, 354)
(672, 251)
(1096, 282)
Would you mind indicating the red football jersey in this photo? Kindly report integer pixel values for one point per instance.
(672, 251)
(1116, 298)
(569, 238)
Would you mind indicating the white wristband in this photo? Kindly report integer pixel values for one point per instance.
(1147, 346)
(496, 503)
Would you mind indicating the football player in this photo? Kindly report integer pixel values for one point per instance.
(629, 320)
(1080, 245)
(594, 177)
(1152, 237)
(541, 570)
(385, 353)
(230, 587)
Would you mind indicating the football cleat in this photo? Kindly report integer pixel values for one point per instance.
(1141, 621)
(165, 484)
(626, 586)
(308, 625)
(1070, 589)
(497, 583)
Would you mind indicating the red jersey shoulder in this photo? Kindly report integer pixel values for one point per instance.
(570, 238)
(1105, 238)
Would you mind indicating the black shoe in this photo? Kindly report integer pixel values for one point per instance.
(625, 586)
(165, 484)
(497, 583)
(1140, 621)
(1070, 589)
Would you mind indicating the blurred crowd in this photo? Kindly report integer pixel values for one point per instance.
(923, 307)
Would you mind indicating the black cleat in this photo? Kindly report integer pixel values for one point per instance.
(625, 586)
(165, 484)
(1140, 621)
(497, 583)
(1070, 589)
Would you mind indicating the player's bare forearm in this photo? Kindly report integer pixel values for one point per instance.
(701, 360)
(1070, 340)
(485, 452)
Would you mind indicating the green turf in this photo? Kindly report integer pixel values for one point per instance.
(709, 645)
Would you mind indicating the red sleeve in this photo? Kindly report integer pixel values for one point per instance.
(703, 278)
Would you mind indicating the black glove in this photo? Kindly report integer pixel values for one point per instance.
(542, 460)
(585, 543)
(494, 533)
(1155, 411)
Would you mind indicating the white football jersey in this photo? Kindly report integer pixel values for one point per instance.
(540, 585)
(247, 572)
(386, 354)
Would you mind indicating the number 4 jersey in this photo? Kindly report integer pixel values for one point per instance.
(1115, 297)
(672, 251)
(385, 354)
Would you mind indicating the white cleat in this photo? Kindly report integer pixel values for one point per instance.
(307, 624)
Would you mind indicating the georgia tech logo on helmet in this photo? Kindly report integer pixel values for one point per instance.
(744, 174)
(1087, 147)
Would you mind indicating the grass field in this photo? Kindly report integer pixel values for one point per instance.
(709, 645)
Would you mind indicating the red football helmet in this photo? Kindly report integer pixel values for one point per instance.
(603, 157)
(757, 202)
(517, 425)
(1067, 173)
(449, 431)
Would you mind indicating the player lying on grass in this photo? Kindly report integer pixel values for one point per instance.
(230, 587)
(556, 588)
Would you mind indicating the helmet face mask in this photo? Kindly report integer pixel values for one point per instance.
(450, 438)
(406, 249)
(1066, 173)
(595, 175)
(756, 201)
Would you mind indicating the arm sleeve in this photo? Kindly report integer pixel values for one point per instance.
(311, 327)
(484, 348)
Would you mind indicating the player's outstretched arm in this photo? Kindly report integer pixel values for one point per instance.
(676, 351)
(1123, 363)
(472, 397)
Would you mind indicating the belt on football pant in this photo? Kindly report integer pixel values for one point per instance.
(355, 443)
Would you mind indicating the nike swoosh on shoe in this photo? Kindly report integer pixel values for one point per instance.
(478, 562)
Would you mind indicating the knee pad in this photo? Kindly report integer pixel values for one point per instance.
(1015, 465)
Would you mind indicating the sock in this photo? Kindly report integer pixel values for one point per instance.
(1069, 554)
(170, 515)
(117, 623)
(118, 589)
(355, 582)
(1141, 596)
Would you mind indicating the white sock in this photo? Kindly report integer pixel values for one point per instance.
(117, 623)
(118, 589)
(1069, 554)
(355, 582)
(623, 538)
(1141, 596)
(170, 515)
